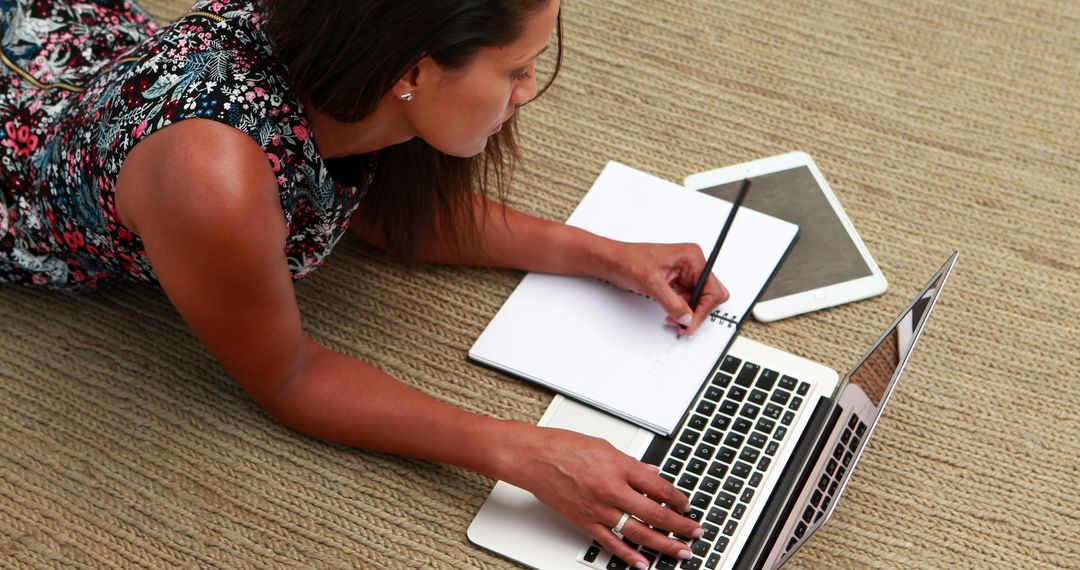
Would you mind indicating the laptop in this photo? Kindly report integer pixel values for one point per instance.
(763, 452)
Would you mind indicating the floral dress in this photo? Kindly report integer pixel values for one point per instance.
(83, 81)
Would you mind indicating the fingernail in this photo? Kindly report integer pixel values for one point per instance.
(683, 555)
(686, 319)
(642, 566)
(698, 532)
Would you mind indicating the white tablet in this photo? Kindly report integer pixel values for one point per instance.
(829, 264)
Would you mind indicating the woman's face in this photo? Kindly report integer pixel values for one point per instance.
(456, 111)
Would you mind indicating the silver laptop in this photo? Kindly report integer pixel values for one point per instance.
(763, 452)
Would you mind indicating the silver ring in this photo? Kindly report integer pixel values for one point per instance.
(617, 529)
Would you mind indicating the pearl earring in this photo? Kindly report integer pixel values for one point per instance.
(407, 97)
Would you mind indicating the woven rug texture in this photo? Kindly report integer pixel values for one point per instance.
(939, 125)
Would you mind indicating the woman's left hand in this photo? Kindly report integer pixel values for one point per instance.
(667, 273)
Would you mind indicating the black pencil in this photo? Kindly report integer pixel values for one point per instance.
(716, 248)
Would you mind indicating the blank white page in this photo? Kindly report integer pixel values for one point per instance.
(612, 348)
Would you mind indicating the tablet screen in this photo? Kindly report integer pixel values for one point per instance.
(824, 254)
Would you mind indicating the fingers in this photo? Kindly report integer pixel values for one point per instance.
(615, 545)
(711, 297)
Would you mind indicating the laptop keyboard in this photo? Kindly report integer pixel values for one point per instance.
(842, 456)
(720, 456)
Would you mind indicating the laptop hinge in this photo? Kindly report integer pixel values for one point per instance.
(789, 487)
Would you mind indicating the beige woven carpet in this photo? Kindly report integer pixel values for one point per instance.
(939, 125)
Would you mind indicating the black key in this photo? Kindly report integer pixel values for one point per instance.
(765, 425)
(700, 547)
(861, 429)
(780, 433)
(691, 564)
(730, 364)
(838, 453)
(840, 472)
(764, 463)
(733, 439)
(815, 498)
(747, 374)
(615, 564)
(847, 459)
(725, 500)
(780, 397)
(823, 484)
(666, 563)
(854, 443)
(713, 393)
(788, 418)
(592, 553)
(695, 515)
(698, 422)
(733, 485)
(721, 544)
(758, 439)
(710, 485)
(800, 529)
(717, 516)
(803, 389)
(767, 379)
(755, 479)
(808, 514)
(750, 411)
(717, 469)
(853, 421)
(825, 502)
(747, 494)
(795, 403)
(710, 532)
(680, 451)
(688, 481)
(696, 466)
(742, 425)
(830, 467)
(727, 455)
(729, 407)
(689, 437)
(713, 561)
(668, 478)
(845, 437)
(701, 500)
(712, 437)
(721, 380)
(738, 512)
(832, 491)
(649, 555)
(792, 542)
(706, 407)
(672, 466)
(705, 451)
(749, 454)
(773, 411)
(737, 393)
(729, 528)
(720, 422)
(770, 450)
(741, 470)
(758, 397)
(788, 383)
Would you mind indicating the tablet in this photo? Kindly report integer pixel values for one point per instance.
(829, 264)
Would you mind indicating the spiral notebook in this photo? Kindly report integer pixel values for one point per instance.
(611, 348)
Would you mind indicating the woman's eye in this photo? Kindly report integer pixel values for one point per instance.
(521, 75)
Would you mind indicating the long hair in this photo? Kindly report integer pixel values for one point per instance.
(344, 56)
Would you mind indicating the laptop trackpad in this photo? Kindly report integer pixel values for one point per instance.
(516, 525)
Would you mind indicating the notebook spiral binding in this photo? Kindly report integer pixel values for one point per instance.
(723, 318)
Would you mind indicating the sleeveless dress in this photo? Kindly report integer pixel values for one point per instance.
(83, 81)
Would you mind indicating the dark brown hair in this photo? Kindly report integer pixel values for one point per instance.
(344, 56)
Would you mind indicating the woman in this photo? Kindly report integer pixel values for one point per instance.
(224, 156)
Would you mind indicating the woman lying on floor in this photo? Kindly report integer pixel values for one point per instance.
(224, 156)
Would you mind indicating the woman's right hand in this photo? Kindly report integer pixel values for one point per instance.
(592, 484)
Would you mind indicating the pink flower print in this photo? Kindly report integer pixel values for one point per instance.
(74, 240)
(274, 161)
(301, 132)
(20, 138)
(139, 130)
(39, 279)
